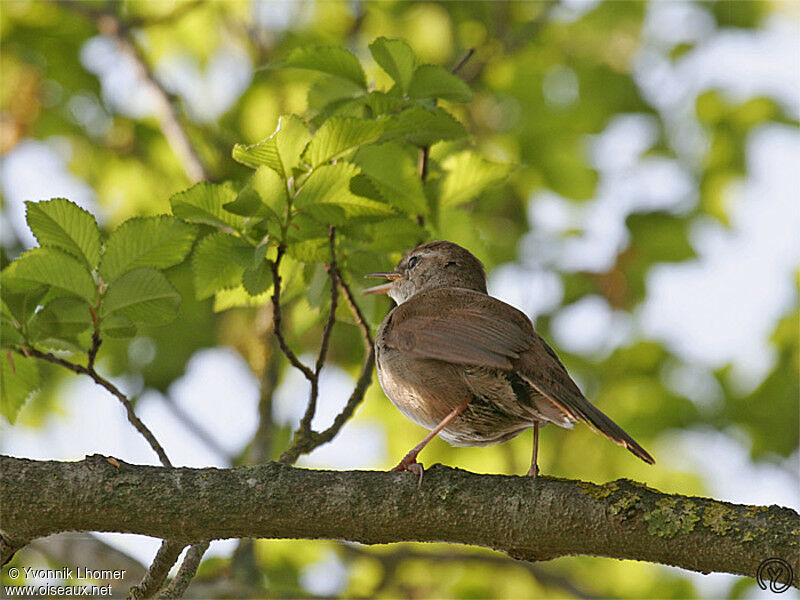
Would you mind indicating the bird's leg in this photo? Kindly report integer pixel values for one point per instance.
(534, 470)
(409, 462)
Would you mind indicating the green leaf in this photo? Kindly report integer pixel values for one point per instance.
(238, 297)
(434, 81)
(333, 60)
(203, 203)
(215, 265)
(61, 319)
(338, 136)
(20, 379)
(315, 250)
(394, 172)
(424, 127)
(22, 304)
(396, 58)
(158, 242)
(144, 296)
(382, 104)
(466, 176)
(327, 90)
(281, 151)
(263, 197)
(117, 326)
(257, 279)
(66, 226)
(326, 196)
(50, 267)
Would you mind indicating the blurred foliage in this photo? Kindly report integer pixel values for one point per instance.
(515, 122)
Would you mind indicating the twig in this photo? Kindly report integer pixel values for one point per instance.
(156, 575)
(166, 114)
(114, 390)
(357, 314)
(277, 317)
(186, 572)
(457, 67)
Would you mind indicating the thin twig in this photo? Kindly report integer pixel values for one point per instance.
(354, 308)
(277, 317)
(186, 572)
(156, 575)
(114, 390)
(457, 67)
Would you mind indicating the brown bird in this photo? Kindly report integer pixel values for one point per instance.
(468, 366)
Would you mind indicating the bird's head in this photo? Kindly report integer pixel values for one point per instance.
(431, 265)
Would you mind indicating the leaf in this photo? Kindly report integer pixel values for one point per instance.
(203, 203)
(22, 304)
(238, 297)
(20, 379)
(61, 319)
(333, 60)
(66, 226)
(327, 90)
(396, 58)
(394, 172)
(143, 295)
(423, 127)
(315, 250)
(257, 279)
(434, 81)
(281, 151)
(158, 242)
(117, 326)
(466, 176)
(215, 265)
(50, 267)
(264, 196)
(326, 196)
(338, 136)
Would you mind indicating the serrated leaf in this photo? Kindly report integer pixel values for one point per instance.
(396, 58)
(264, 197)
(333, 60)
(203, 203)
(215, 265)
(21, 304)
(434, 81)
(394, 172)
(257, 279)
(281, 151)
(143, 295)
(311, 251)
(65, 225)
(158, 242)
(383, 104)
(338, 136)
(466, 176)
(61, 319)
(423, 127)
(326, 196)
(20, 379)
(50, 267)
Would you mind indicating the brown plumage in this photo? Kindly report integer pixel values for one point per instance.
(468, 366)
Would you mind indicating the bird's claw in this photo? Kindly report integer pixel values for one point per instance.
(412, 466)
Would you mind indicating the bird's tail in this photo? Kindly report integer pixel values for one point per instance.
(600, 422)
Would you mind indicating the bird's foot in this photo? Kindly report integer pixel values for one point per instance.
(533, 471)
(411, 464)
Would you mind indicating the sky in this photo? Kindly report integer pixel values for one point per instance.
(716, 309)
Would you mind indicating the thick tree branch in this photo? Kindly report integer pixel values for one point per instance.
(527, 519)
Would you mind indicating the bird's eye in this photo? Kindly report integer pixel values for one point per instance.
(412, 262)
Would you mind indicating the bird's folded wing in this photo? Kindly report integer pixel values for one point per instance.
(463, 337)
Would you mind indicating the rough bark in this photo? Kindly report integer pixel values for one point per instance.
(527, 519)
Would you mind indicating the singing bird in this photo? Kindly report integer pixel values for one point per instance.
(468, 366)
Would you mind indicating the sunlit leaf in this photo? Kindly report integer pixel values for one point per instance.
(338, 136)
(65, 225)
(144, 295)
(467, 175)
(61, 319)
(423, 127)
(203, 203)
(395, 173)
(434, 81)
(257, 279)
(333, 60)
(158, 242)
(50, 267)
(281, 151)
(396, 58)
(20, 380)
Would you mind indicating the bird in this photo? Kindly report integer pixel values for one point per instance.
(469, 367)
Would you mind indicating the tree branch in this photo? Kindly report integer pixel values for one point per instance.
(187, 571)
(527, 519)
(156, 575)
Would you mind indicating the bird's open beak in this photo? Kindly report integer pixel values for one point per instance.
(384, 287)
